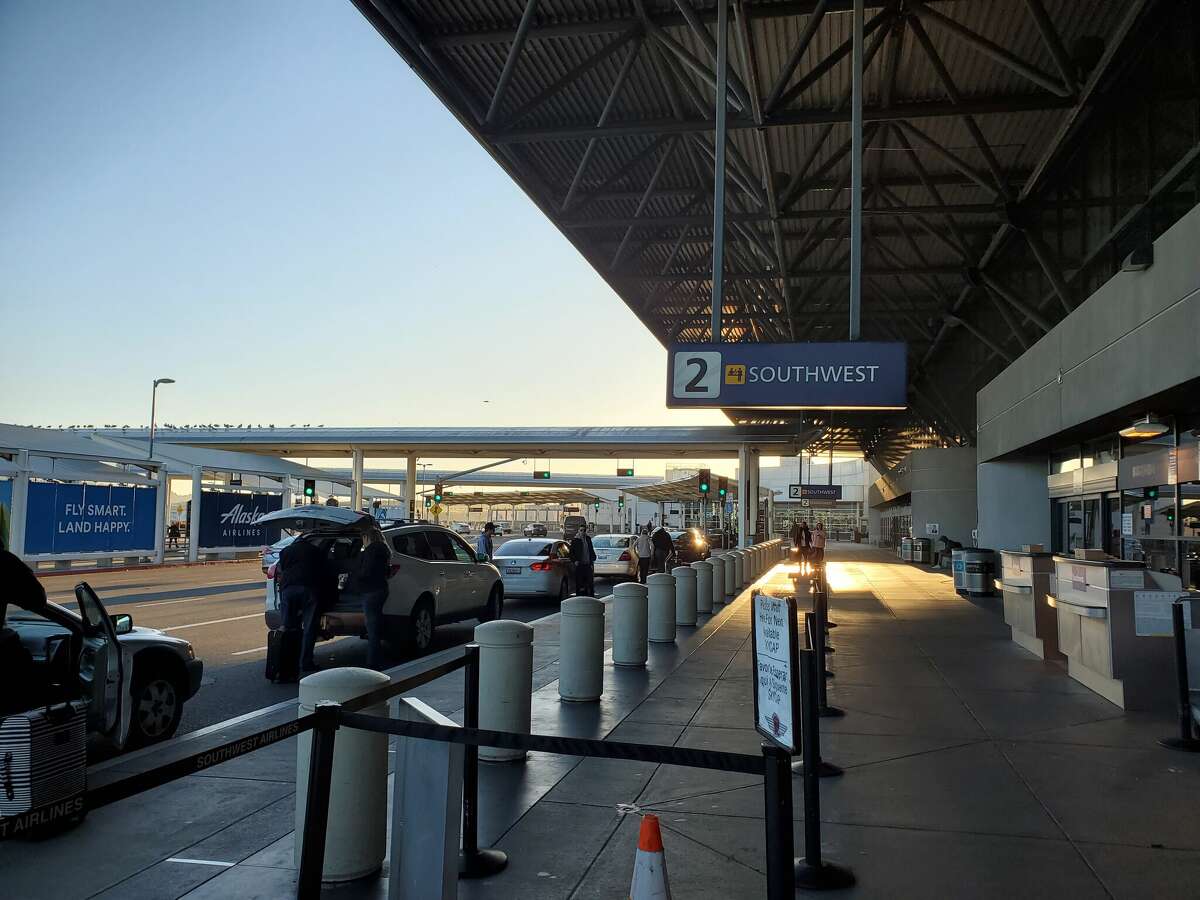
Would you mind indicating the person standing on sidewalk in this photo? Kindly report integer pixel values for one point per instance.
(301, 569)
(369, 583)
(818, 544)
(663, 547)
(644, 548)
(483, 543)
(583, 554)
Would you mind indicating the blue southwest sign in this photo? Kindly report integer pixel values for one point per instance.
(818, 375)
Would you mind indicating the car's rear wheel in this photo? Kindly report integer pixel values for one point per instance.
(157, 708)
(420, 627)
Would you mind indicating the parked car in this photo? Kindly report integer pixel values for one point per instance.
(462, 528)
(572, 524)
(436, 577)
(690, 546)
(135, 680)
(615, 556)
(536, 568)
(534, 529)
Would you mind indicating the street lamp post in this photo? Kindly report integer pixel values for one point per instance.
(153, 399)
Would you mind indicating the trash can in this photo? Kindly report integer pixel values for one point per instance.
(960, 570)
(979, 572)
(923, 551)
(906, 549)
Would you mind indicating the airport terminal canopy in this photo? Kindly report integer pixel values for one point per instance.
(1015, 153)
(517, 498)
(684, 490)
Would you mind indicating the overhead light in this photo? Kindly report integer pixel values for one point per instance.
(1146, 427)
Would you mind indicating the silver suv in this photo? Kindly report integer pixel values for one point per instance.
(435, 577)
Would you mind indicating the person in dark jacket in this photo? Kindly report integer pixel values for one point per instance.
(583, 554)
(663, 548)
(301, 570)
(369, 582)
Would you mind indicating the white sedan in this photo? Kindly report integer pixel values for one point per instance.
(537, 567)
(615, 556)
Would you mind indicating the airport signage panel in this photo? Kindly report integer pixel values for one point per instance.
(776, 670)
(815, 375)
(226, 519)
(89, 518)
(814, 492)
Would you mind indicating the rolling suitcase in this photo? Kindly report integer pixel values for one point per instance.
(43, 763)
(283, 655)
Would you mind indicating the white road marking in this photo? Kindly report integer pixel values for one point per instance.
(255, 615)
(231, 595)
(244, 652)
(201, 862)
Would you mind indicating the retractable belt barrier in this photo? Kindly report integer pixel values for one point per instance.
(1186, 739)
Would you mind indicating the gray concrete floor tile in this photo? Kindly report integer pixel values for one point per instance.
(1115, 795)
(1135, 731)
(684, 688)
(862, 669)
(665, 710)
(646, 733)
(1015, 713)
(1020, 673)
(164, 880)
(1132, 873)
(701, 790)
(968, 788)
(897, 710)
(247, 836)
(603, 782)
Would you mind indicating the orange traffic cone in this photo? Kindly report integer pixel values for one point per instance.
(650, 866)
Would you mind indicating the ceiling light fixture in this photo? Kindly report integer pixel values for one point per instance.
(1147, 426)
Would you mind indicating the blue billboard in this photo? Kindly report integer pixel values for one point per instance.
(227, 519)
(89, 518)
(816, 375)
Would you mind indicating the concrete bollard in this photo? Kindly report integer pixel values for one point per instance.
(505, 682)
(717, 561)
(755, 567)
(629, 625)
(661, 623)
(739, 570)
(581, 649)
(358, 790)
(730, 575)
(704, 588)
(685, 595)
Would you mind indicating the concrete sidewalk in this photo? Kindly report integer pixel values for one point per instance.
(972, 769)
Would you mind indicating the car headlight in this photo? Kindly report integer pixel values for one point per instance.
(191, 652)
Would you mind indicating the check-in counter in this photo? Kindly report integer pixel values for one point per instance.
(1025, 580)
(1097, 609)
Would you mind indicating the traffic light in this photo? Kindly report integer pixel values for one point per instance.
(437, 493)
(597, 506)
(1151, 493)
(705, 480)
(541, 474)
(722, 487)
(621, 502)
(310, 487)
(624, 473)
(428, 502)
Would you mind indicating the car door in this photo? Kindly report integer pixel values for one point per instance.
(101, 669)
(413, 572)
(561, 554)
(454, 572)
(474, 575)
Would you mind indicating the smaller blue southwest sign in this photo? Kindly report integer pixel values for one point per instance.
(818, 375)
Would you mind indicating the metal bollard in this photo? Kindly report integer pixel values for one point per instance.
(813, 872)
(505, 683)
(777, 799)
(816, 620)
(661, 626)
(685, 595)
(1187, 738)
(315, 828)
(474, 862)
(581, 649)
(358, 787)
(704, 586)
(629, 625)
(717, 561)
(730, 578)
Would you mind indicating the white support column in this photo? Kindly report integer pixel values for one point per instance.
(356, 489)
(20, 505)
(770, 516)
(194, 525)
(745, 501)
(753, 509)
(160, 515)
(410, 486)
(286, 484)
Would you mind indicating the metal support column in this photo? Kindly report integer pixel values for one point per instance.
(356, 489)
(194, 519)
(752, 510)
(745, 500)
(410, 485)
(856, 167)
(20, 505)
(719, 138)
(161, 515)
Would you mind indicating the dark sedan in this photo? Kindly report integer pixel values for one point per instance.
(690, 546)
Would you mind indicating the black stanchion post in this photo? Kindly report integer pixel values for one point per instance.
(1187, 739)
(473, 862)
(818, 643)
(777, 794)
(813, 872)
(316, 809)
(824, 769)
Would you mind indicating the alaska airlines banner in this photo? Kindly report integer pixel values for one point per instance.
(227, 519)
(89, 518)
(814, 375)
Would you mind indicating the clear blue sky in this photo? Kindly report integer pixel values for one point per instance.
(262, 201)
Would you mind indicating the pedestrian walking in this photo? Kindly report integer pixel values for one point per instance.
(483, 543)
(173, 535)
(368, 582)
(299, 577)
(583, 554)
(663, 547)
(818, 544)
(644, 547)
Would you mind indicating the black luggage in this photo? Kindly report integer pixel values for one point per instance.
(283, 655)
(43, 765)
